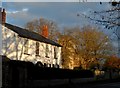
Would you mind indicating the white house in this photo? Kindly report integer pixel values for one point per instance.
(21, 44)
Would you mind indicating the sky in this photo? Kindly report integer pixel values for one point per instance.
(63, 13)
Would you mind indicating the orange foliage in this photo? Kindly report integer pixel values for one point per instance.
(113, 62)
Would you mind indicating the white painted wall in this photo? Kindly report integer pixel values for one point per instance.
(14, 46)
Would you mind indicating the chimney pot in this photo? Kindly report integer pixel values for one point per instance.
(45, 31)
(3, 10)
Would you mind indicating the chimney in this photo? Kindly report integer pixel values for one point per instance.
(3, 16)
(45, 31)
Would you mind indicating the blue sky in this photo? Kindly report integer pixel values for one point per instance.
(63, 13)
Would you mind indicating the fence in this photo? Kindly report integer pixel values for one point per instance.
(19, 73)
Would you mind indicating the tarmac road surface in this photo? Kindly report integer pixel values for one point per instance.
(108, 85)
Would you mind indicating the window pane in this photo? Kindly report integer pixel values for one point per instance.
(37, 48)
(47, 51)
(55, 52)
(26, 46)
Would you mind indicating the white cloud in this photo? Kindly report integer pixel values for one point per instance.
(20, 15)
(25, 9)
(21, 11)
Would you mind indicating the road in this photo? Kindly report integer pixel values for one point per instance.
(108, 85)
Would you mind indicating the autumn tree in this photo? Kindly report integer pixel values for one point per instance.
(37, 24)
(112, 63)
(68, 39)
(84, 46)
(94, 45)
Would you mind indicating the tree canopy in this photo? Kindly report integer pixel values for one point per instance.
(84, 46)
(37, 24)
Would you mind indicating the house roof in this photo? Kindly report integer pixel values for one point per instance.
(30, 35)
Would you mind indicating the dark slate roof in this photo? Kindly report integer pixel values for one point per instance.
(30, 35)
